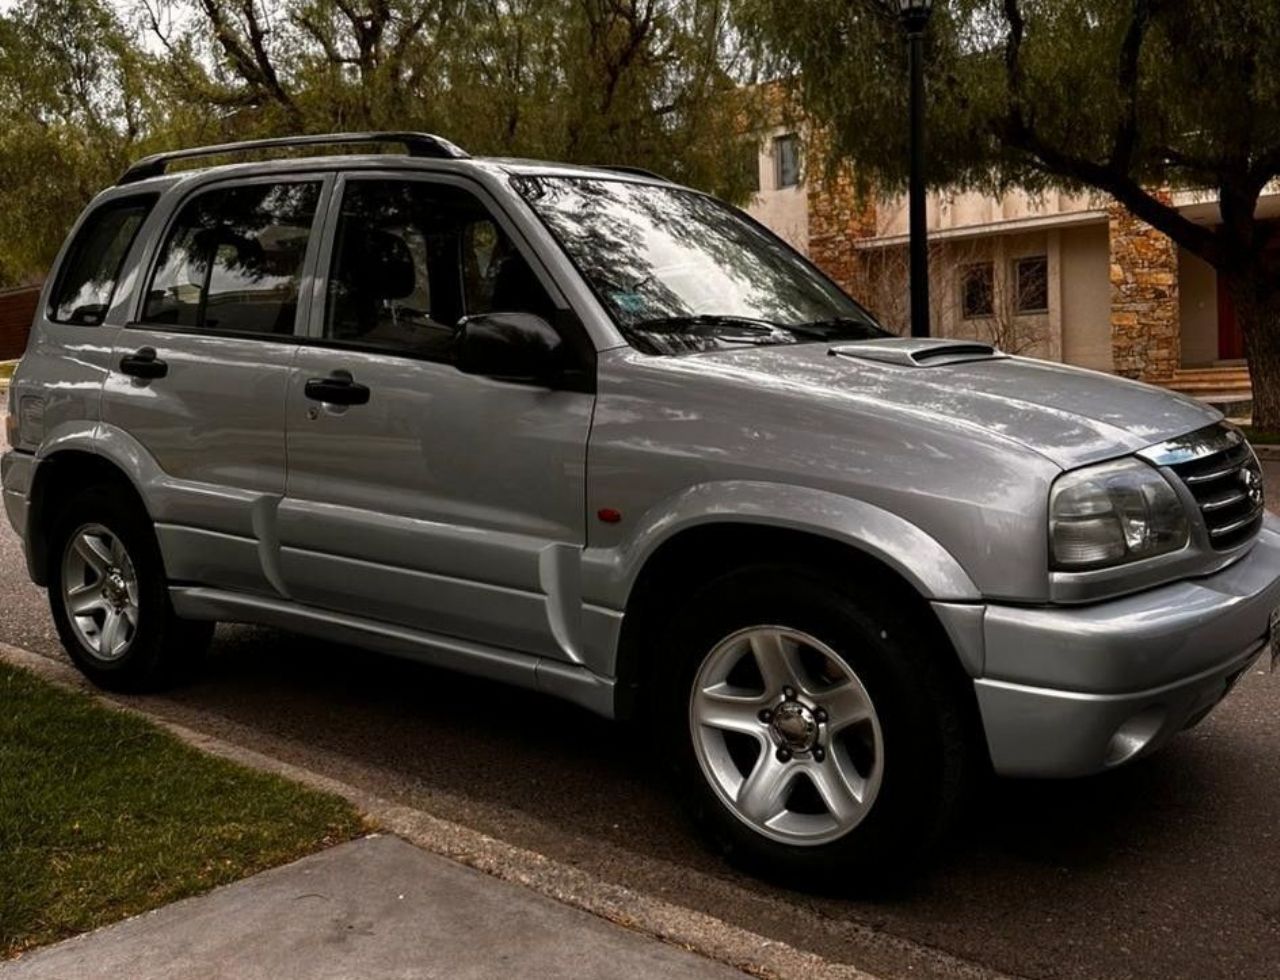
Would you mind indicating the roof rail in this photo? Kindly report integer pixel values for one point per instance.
(638, 172)
(417, 145)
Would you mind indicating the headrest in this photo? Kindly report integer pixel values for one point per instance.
(383, 263)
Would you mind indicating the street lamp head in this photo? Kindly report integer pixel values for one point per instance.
(915, 13)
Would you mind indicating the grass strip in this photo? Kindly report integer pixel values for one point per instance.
(104, 815)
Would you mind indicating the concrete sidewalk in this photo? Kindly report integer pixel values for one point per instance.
(376, 907)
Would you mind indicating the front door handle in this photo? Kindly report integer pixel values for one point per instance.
(337, 389)
(143, 363)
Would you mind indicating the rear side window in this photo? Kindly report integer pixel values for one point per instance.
(88, 277)
(233, 260)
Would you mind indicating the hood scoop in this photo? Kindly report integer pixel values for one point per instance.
(918, 352)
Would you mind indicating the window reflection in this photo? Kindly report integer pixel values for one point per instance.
(89, 274)
(233, 260)
(411, 258)
(680, 271)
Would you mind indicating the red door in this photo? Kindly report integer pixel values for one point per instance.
(1230, 336)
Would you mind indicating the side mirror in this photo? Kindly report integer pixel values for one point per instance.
(509, 347)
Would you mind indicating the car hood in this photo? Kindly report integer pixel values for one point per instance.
(1070, 415)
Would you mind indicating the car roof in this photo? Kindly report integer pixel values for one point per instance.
(493, 166)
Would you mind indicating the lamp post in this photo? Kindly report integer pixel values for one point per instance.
(915, 18)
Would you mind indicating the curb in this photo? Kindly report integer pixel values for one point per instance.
(682, 927)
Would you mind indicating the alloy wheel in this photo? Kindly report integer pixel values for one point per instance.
(787, 735)
(100, 592)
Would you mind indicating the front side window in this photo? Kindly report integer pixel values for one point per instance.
(680, 271)
(233, 260)
(87, 281)
(1031, 278)
(411, 258)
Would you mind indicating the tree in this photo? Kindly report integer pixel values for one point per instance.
(72, 102)
(648, 83)
(1126, 97)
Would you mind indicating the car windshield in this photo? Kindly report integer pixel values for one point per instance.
(681, 272)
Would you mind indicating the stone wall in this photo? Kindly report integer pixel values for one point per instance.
(838, 218)
(1145, 322)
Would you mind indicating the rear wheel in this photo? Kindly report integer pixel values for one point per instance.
(818, 738)
(109, 597)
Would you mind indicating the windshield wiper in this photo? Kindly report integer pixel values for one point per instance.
(703, 320)
(839, 328)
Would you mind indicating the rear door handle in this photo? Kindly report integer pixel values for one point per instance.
(143, 363)
(337, 389)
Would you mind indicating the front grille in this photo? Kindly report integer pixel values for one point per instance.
(1226, 480)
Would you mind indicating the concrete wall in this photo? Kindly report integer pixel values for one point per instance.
(1029, 334)
(785, 211)
(1198, 309)
(1086, 297)
(952, 210)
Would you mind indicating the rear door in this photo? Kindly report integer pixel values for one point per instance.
(199, 376)
(446, 502)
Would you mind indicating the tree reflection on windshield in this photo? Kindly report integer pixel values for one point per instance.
(681, 272)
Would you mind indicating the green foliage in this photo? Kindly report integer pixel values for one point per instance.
(1030, 92)
(86, 85)
(103, 815)
(71, 84)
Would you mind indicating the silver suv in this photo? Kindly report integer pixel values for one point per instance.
(593, 433)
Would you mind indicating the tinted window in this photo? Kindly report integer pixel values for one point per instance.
(412, 258)
(88, 277)
(233, 260)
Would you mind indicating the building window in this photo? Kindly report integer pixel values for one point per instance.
(1031, 282)
(978, 289)
(786, 160)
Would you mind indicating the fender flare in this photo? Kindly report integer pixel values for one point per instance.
(611, 574)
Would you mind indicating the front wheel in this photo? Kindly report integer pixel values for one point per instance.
(109, 597)
(817, 735)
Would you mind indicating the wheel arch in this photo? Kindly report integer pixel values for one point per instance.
(703, 550)
(59, 475)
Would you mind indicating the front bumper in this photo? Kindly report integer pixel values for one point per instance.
(1068, 691)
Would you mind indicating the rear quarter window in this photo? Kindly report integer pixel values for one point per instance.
(86, 282)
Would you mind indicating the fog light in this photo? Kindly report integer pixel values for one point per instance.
(1134, 736)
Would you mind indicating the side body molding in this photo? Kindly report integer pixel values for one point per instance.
(610, 573)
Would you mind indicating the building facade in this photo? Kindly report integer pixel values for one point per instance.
(1068, 277)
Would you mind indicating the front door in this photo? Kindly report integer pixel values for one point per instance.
(199, 377)
(1230, 336)
(425, 497)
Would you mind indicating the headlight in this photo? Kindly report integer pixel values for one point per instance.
(1113, 513)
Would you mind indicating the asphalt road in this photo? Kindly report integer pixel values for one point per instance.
(1169, 868)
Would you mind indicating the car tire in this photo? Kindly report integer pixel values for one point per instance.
(870, 751)
(110, 599)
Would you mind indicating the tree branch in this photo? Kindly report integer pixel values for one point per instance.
(1127, 75)
(1113, 177)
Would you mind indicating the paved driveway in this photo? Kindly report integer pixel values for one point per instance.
(1170, 868)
